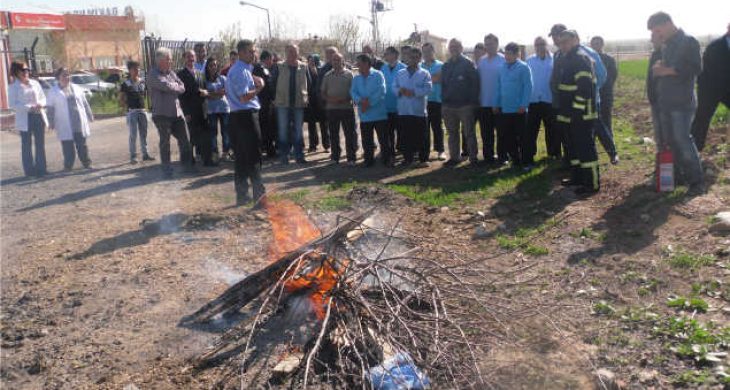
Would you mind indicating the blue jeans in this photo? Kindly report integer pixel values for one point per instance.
(137, 123)
(673, 129)
(214, 119)
(34, 136)
(290, 122)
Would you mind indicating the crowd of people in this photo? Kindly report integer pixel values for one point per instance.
(259, 104)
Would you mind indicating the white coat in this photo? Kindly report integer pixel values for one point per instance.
(22, 98)
(61, 119)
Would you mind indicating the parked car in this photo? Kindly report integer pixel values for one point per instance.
(91, 82)
(49, 82)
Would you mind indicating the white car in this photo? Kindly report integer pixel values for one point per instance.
(91, 82)
(49, 82)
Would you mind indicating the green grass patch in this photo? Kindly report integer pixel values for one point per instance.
(524, 239)
(688, 304)
(634, 69)
(689, 261)
(603, 308)
(332, 203)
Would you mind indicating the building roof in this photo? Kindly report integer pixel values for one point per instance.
(432, 37)
(101, 22)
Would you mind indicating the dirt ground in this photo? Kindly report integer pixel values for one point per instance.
(98, 266)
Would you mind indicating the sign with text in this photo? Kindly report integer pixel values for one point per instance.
(27, 21)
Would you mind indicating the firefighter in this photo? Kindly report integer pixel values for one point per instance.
(577, 112)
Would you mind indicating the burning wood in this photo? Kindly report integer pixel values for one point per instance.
(368, 321)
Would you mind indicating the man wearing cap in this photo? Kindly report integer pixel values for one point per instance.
(576, 90)
(606, 94)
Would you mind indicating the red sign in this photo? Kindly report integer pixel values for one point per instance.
(3, 20)
(36, 21)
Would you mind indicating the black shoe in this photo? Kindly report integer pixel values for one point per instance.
(302, 161)
(242, 200)
(568, 182)
(368, 163)
(147, 157)
(451, 163)
(132, 160)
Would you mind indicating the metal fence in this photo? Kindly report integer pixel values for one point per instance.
(150, 44)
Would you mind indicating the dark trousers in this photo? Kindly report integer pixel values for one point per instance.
(245, 132)
(35, 136)
(541, 113)
(582, 153)
(346, 119)
(269, 132)
(367, 130)
(166, 127)
(604, 133)
(707, 101)
(73, 146)
(214, 121)
(437, 130)
(562, 131)
(200, 137)
(487, 126)
(312, 131)
(512, 130)
(413, 132)
(392, 132)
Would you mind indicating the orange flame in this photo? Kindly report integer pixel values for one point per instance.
(291, 229)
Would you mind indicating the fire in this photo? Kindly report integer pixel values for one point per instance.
(290, 226)
(291, 229)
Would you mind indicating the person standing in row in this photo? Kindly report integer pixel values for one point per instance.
(242, 88)
(26, 97)
(377, 62)
(292, 96)
(390, 69)
(460, 98)
(576, 93)
(164, 87)
(201, 53)
(488, 67)
(605, 92)
(713, 86)
(193, 105)
(313, 112)
(514, 88)
(368, 93)
(232, 58)
(71, 118)
(335, 92)
(412, 86)
(675, 75)
(218, 109)
(131, 97)
(541, 110)
(263, 69)
(433, 66)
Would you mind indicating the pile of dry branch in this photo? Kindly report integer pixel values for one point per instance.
(360, 307)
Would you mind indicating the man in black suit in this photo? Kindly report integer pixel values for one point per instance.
(713, 86)
(192, 102)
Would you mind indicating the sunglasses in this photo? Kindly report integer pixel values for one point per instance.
(25, 70)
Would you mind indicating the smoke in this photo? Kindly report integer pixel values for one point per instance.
(222, 273)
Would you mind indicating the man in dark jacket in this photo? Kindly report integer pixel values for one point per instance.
(605, 110)
(192, 101)
(460, 97)
(675, 75)
(262, 69)
(713, 86)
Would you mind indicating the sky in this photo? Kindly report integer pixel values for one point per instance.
(519, 21)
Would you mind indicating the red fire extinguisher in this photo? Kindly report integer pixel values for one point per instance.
(665, 171)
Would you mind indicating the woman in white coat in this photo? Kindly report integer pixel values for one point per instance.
(28, 101)
(71, 117)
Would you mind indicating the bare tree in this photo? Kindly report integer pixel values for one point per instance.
(284, 26)
(345, 30)
(229, 35)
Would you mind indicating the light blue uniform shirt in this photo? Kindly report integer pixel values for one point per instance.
(239, 83)
(373, 88)
(434, 69)
(420, 83)
(391, 99)
(217, 106)
(542, 69)
(488, 73)
(514, 87)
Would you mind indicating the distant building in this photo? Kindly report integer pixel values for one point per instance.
(440, 44)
